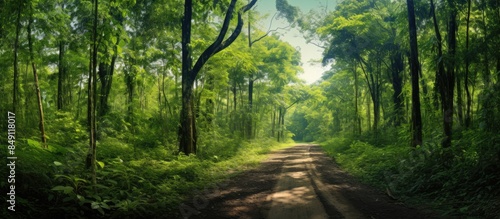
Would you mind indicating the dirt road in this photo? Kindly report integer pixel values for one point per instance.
(300, 182)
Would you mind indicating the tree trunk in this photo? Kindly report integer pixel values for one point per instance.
(368, 113)
(187, 134)
(15, 91)
(273, 122)
(468, 119)
(336, 121)
(397, 66)
(129, 82)
(235, 103)
(282, 126)
(91, 156)
(209, 104)
(37, 86)
(106, 78)
(448, 81)
(106, 72)
(250, 87)
(187, 131)
(357, 118)
(61, 77)
(414, 65)
(460, 101)
(280, 114)
(250, 108)
(440, 63)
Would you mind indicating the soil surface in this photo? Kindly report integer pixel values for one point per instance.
(295, 183)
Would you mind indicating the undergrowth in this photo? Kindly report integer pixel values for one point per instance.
(132, 182)
(460, 181)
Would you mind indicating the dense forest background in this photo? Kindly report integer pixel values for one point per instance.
(124, 107)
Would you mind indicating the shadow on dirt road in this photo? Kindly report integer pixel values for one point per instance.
(295, 183)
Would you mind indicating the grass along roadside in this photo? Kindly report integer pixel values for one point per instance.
(151, 184)
(460, 187)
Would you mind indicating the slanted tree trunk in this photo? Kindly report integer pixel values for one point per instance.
(416, 117)
(37, 86)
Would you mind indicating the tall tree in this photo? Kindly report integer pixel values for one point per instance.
(447, 80)
(35, 75)
(15, 91)
(416, 116)
(468, 119)
(91, 108)
(187, 130)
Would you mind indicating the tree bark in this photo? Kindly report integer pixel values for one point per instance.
(91, 155)
(397, 66)
(273, 122)
(187, 135)
(460, 100)
(468, 119)
(448, 81)
(357, 118)
(250, 86)
(37, 86)
(61, 77)
(414, 65)
(440, 71)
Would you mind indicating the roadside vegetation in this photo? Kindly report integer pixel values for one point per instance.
(410, 103)
(133, 181)
(467, 185)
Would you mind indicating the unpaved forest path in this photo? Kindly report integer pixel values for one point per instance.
(300, 182)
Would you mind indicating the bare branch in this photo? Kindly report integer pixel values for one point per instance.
(269, 30)
(316, 44)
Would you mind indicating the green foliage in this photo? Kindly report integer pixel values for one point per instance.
(63, 129)
(460, 180)
(149, 182)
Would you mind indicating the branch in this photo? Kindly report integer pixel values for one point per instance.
(269, 30)
(238, 28)
(218, 45)
(316, 44)
(292, 104)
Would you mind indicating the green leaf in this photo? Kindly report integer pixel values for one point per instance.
(57, 163)
(97, 206)
(81, 198)
(101, 164)
(94, 205)
(65, 189)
